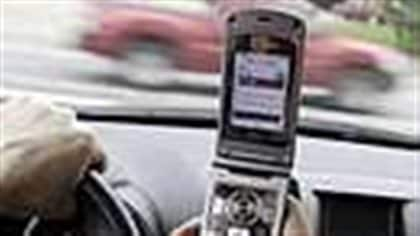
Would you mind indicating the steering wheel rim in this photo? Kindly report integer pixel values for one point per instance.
(101, 212)
(95, 191)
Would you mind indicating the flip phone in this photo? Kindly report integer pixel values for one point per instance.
(262, 73)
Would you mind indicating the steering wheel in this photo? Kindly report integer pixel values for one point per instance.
(101, 212)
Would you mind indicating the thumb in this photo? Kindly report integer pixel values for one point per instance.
(297, 223)
(190, 228)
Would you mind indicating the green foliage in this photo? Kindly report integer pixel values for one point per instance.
(404, 16)
(388, 35)
(401, 29)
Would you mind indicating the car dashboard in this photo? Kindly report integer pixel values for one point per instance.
(347, 188)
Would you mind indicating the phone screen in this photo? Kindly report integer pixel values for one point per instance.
(258, 82)
(259, 90)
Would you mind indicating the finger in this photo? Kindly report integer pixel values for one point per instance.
(95, 157)
(190, 228)
(297, 223)
(35, 115)
(185, 232)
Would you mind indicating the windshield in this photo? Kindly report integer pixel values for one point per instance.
(151, 57)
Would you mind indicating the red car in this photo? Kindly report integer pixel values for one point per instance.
(195, 43)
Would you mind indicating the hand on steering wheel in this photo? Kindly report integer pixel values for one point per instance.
(44, 153)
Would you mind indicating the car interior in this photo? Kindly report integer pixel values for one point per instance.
(357, 142)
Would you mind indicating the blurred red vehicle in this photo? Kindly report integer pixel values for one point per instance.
(196, 44)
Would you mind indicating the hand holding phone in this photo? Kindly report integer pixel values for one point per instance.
(262, 73)
(296, 222)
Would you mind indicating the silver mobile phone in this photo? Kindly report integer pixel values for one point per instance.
(262, 73)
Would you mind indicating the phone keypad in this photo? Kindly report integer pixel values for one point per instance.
(242, 211)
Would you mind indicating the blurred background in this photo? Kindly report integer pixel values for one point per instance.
(133, 55)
